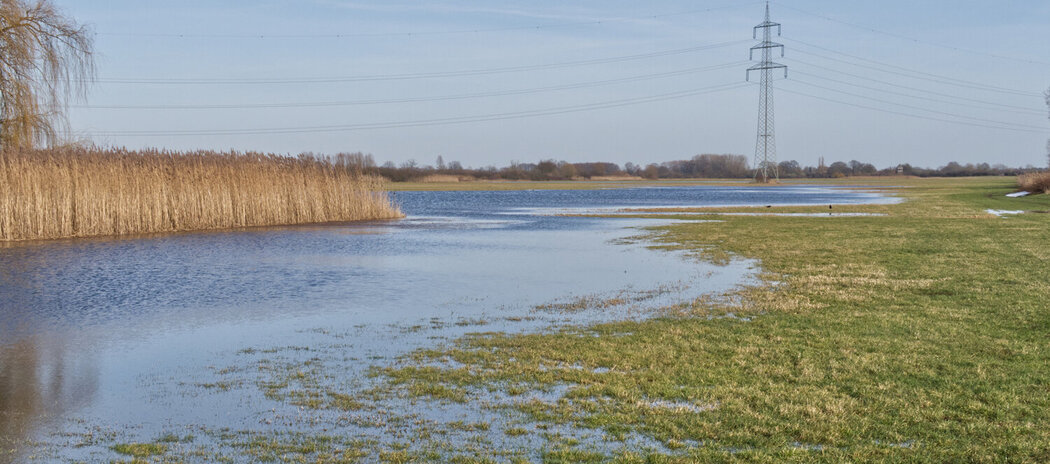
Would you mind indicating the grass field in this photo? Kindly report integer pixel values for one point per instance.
(920, 335)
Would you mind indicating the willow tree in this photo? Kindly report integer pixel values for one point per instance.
(46, 59)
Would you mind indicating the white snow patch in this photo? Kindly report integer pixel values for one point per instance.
(1003, 212)
(1018, 194)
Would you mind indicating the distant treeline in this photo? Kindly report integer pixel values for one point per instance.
(698, 167)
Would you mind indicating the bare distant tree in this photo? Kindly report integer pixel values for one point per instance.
(45, 60)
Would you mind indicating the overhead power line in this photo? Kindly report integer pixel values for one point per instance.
(910, 73)
(890, 111)
(919, 108)
(988, 105)
(910, 115)
(409, 76)
(499, 93)
(438, 121)
(913, 39)
(346, 35)
(822, 53)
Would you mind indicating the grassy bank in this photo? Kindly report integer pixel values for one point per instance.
(915, 336)
(47, 194)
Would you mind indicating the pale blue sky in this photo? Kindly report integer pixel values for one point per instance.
(852, 93)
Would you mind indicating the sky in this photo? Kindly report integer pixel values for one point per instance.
(488, 83)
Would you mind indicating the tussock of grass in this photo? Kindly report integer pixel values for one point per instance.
(140, 450)
(47, 194)
(515, 432)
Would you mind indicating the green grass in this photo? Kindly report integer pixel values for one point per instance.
(920, 335)
(140, 450)
(300, 448)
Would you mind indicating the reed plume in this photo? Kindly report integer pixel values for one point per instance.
(87, 192)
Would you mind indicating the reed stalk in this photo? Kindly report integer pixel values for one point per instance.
(87, 192)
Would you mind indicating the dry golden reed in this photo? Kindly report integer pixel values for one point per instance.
(77, 192)
(1035, 182)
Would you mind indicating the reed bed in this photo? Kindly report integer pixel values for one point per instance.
(1036, 182)
(62, 193)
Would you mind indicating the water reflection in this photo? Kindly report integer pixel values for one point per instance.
(40, 380)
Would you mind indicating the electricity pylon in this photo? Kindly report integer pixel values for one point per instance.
(766, 145)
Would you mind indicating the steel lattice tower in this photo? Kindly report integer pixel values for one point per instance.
(766, 145)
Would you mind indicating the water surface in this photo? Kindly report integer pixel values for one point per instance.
(111, 335)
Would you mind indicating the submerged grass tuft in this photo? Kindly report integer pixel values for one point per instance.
(140, 450)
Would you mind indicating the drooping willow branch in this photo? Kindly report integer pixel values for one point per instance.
(46, 59)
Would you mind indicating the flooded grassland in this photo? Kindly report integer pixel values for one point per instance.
(910, 332)
(485, 325)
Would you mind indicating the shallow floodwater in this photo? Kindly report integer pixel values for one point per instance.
(110, 337)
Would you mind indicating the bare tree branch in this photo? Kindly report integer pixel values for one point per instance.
(46, 59)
